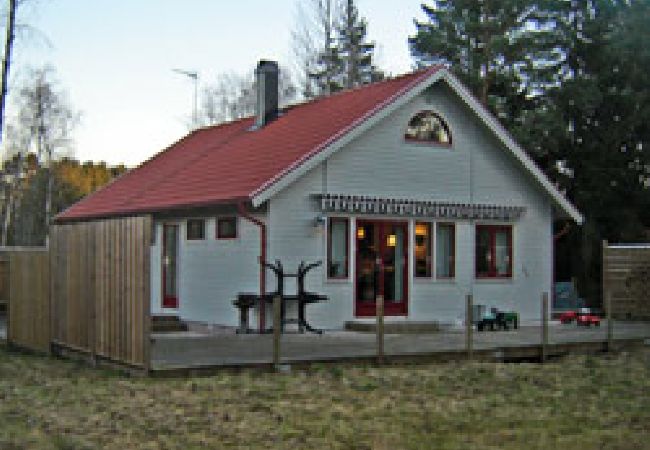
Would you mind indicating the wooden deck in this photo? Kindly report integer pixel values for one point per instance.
(192, 350)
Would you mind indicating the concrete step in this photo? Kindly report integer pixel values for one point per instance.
(397, 327)
(163, 324)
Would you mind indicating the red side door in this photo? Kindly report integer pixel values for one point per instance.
(170, 266)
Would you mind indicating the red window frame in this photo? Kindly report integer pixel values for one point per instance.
(492, 269)
(452, 257)
(330, 221)
(187, 230)
(429, 255)
(219, 233)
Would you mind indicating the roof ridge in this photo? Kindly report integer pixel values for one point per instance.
(374, 84)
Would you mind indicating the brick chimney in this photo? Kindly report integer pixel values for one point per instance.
(266, 75)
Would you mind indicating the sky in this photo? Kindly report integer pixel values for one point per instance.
(115, 59)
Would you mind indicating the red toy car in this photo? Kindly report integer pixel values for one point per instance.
(588, 319)
(568, 316)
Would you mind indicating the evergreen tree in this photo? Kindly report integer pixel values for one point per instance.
(569, 80)
(603, 135)
(503, 51)
(331, 47)
(355, 54)
(326, 71)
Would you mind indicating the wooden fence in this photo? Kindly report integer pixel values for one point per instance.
(28, 290)
(4, 282)
(626, 277)
(101, 288)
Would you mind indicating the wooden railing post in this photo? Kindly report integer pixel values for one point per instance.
(607, 298)
(610, 323)
(277, 330)
(469, 327)
(380, 328)
(544, 325)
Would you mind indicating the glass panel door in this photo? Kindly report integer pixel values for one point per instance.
(170, 266)
(382, 268)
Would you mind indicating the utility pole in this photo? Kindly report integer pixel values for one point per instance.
(194, 76)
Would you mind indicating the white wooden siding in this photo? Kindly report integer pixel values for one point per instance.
(475, 169)
(380, 163)
(210, 272)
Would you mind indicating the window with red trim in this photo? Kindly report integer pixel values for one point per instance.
(445, 250)
(493, 251)
(422, 251)
(226, 227)
(427, 126)
(338, 247)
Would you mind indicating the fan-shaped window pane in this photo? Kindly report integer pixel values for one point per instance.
(428, 126)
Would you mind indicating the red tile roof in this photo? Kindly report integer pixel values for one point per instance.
(231, 162)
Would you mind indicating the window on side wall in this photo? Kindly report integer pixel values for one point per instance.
(195, 229)
(422, 249)
(226, 227)
(338, 248)
(493, 251)
(445, 250)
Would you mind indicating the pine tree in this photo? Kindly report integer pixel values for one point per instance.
(331, 47)
(325, 74)
(355, 54)
(504, 51)
(569, 80)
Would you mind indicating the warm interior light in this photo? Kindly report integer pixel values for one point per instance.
(392, 240)
(421, 229)
(361, 233)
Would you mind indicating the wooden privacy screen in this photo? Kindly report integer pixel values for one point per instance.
(626, 276)
(100, 287)
(29, 307)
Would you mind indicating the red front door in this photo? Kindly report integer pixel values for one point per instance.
(170, 266)
(381, 267)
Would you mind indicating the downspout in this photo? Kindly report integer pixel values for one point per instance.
(241, 208)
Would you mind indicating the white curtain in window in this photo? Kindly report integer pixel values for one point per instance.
(444, 250)
(399, 265)
(338, 249)
(502, 252)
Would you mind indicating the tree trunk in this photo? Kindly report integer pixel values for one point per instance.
(7, 218)
(6, 61)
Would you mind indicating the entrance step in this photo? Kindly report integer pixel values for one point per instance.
(163, 324)
(400, 327)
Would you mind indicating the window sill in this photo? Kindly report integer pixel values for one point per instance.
(337, 280)
(434, 281)
(493, 280)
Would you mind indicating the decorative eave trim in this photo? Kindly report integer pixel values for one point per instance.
(360, 204)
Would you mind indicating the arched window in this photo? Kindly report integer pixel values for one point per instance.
(428, 126)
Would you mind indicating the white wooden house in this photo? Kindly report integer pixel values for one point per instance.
(406, 188)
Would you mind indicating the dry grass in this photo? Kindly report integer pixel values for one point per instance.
(579, 402)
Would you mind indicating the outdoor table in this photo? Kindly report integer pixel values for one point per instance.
(245, 301)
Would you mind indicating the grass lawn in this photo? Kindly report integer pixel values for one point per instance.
(580, 402)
